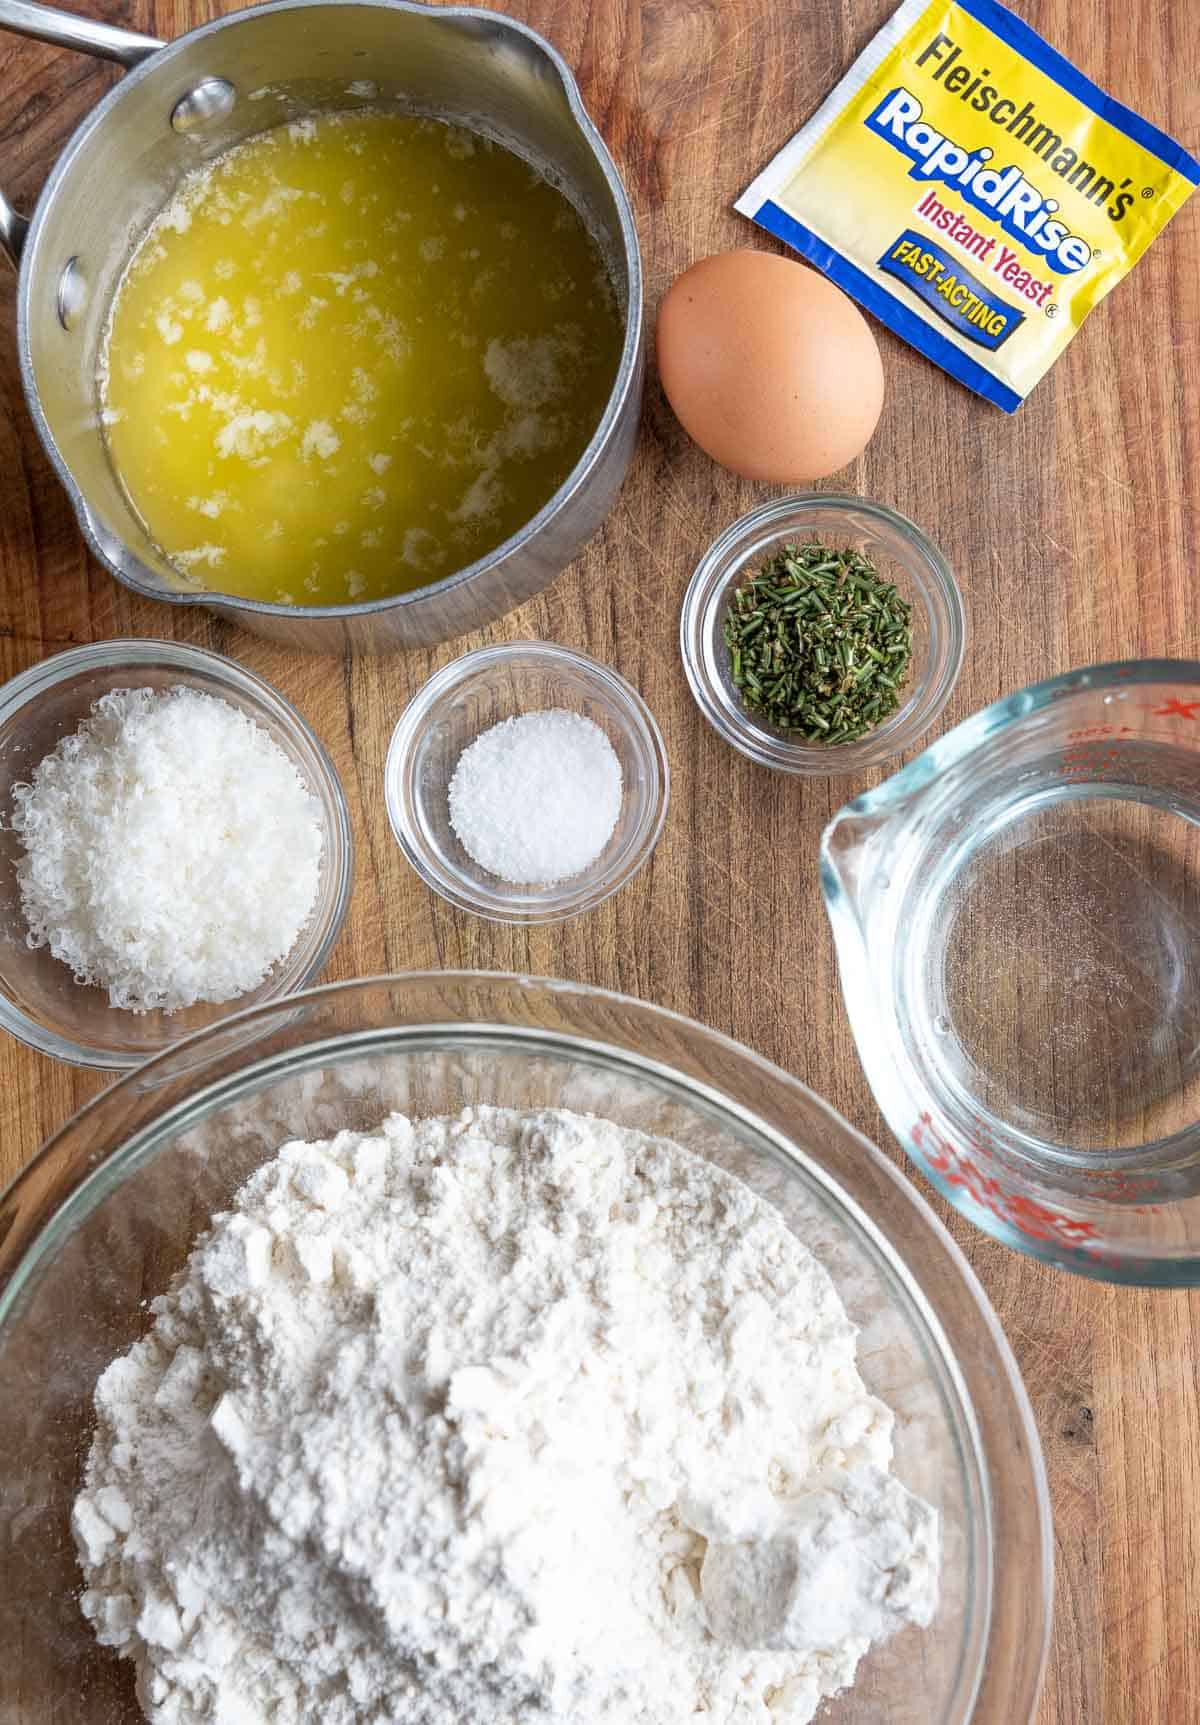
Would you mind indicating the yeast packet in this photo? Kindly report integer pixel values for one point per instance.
(970, 187)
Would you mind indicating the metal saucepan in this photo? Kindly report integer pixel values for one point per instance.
(185, 102)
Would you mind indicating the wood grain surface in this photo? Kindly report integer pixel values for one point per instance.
(1075, 530)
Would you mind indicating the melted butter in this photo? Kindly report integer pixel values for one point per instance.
(352, 356)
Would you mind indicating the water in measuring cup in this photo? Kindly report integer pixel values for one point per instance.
(1066, 976)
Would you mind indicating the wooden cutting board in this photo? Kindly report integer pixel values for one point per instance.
(1075, 529)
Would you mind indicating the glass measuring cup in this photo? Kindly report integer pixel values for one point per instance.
(1017, 921)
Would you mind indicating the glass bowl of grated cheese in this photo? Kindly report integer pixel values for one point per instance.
(527, 782)
(223, 913)
(294, 1097)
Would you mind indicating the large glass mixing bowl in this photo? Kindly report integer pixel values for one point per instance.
(102, 1218)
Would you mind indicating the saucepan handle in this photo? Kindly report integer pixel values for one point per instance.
(65, 30)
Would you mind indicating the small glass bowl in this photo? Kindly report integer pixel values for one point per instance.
(902, 554)
(478, 691)
(40, 1002)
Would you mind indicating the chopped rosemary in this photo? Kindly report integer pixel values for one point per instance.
(819, 643)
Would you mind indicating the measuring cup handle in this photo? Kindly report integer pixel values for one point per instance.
(64, 30)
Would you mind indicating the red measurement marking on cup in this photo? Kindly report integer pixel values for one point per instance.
(1093, 752)
(1177, 709)
(1036, 1221)
(1122, 1188)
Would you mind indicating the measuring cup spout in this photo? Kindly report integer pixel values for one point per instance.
(854, 865)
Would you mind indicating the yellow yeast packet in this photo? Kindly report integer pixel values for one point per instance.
(971, 188)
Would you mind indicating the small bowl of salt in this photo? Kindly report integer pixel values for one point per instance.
(526, 782)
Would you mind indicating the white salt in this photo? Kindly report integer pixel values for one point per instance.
(536, 798)
(172, 850)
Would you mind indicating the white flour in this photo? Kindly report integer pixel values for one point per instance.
(508, 1417)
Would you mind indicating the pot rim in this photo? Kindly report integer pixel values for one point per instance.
(624, 383)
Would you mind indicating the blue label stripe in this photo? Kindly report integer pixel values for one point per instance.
(1021, 36)
(928, 269)
(886, 307)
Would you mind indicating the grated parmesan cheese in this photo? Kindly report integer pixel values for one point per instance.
(172, 851)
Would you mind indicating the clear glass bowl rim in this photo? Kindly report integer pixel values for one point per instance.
(989, 721)
(896, 734)
(39, 1204)
(135, 651)
(571, 897)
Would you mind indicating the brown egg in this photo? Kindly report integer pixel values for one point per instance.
(769, 367)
